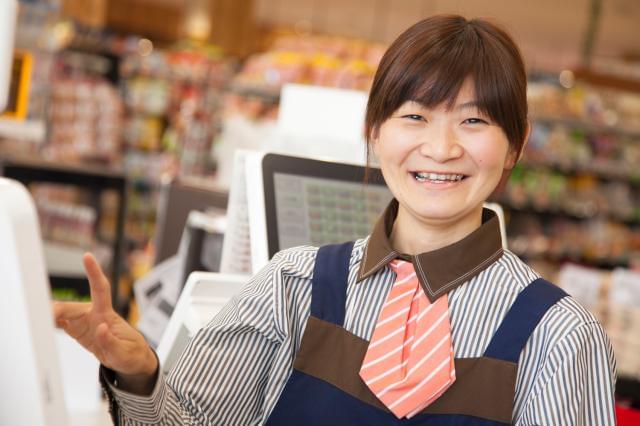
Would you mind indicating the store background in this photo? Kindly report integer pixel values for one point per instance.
(117, 97)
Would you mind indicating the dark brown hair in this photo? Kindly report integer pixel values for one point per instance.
(429, 62)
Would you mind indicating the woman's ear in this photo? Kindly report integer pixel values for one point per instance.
(513, 157)
(526, 140)
(373, 140)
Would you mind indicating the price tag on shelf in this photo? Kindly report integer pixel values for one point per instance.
(622, 328)
(625, 288)
(583, 283)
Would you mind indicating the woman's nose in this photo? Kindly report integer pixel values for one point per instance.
(441, 144)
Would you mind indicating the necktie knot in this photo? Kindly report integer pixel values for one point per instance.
(402, 268)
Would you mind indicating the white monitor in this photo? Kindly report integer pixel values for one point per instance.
(202, 298)
(321, 122)
(29, 369)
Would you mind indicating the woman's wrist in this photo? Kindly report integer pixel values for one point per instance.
(140, 383)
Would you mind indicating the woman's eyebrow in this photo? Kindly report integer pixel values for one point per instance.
(414, 103)
(468, 105)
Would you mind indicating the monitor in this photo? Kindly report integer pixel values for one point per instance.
(296, 201)
(177, 199)
(317, 202)
(158, 291)
(29, 365)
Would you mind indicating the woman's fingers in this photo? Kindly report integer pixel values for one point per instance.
(65, 311)
(78, 329)
(98, 328)
(99, 285)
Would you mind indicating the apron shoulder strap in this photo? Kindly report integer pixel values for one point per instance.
(523, 317)
(329, 285)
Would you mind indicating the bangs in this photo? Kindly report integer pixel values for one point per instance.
(437, 76)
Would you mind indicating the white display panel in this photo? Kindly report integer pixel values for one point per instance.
(322, 122)
(32, 392)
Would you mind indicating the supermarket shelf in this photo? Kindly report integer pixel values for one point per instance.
(34, 170)
(65, 287)
(607, 80)
(63, 260)
(609, 171)
(94, 179)
(602, 262)
(563, 212)
(29, 130)
(586, 125)
(268, 94)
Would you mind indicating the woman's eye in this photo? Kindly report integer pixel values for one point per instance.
(475, 121)
(414, 117)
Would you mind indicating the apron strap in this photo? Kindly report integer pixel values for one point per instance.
(523, 317)
(329, 285)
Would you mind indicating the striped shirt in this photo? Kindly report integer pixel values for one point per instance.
(234, 369)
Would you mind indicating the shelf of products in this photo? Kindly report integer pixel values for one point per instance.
(317, 60)
(80, 209)
(85, 113)
(173, 99)
(329, 61)
(576, 194)
(173, 113)
(574, 199)
(613, 296)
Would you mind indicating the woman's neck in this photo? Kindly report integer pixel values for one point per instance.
(410, 235)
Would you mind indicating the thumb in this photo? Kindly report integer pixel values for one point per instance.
(105, 339)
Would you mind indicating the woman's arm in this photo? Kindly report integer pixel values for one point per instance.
(576, 383)
(230, 372)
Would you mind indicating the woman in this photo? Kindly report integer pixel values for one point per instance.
(426, 321)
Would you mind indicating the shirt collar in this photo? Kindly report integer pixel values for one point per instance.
(438, 271)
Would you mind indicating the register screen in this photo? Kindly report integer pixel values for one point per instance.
(321, 211)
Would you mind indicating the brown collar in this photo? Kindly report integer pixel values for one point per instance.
(439, 271)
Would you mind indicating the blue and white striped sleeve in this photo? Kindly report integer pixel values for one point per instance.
(225, 374)
(576, 382)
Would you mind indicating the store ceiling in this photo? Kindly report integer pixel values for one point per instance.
(550, 32)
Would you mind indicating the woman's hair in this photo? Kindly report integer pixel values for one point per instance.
(429, 62)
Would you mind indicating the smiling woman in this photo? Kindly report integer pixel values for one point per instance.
(446, 119)
(426, 321)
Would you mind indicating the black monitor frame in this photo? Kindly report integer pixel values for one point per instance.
(306, 167)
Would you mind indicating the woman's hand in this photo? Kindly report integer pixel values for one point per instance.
(97, 327)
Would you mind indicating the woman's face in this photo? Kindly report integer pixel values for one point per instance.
(442, 164)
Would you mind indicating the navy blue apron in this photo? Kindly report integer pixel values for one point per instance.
(322, 388)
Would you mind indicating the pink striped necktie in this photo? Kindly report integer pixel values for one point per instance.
(409, 362)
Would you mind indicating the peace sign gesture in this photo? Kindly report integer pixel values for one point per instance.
(100, 330)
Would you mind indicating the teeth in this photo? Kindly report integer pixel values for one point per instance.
(437, 177)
